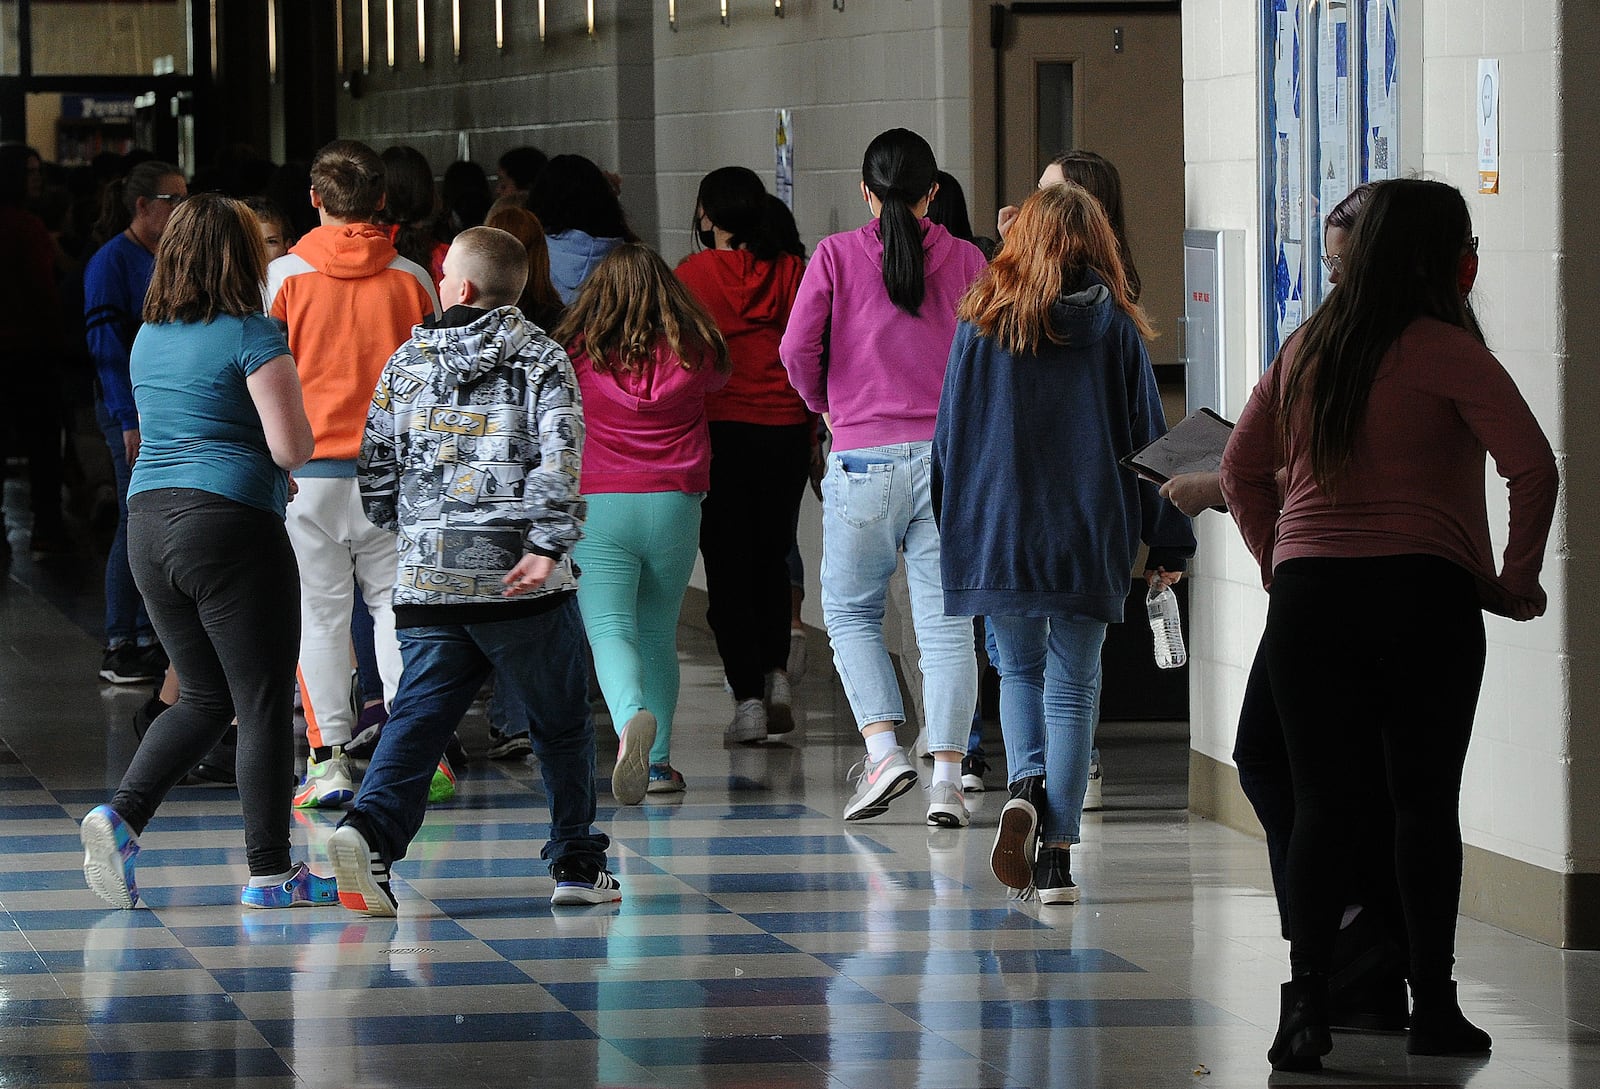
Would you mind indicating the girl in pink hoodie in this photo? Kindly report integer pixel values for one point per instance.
(866, 347)
(646, 355)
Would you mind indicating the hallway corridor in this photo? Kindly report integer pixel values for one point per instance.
(760, 942)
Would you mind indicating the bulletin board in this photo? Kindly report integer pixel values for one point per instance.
(1329, 122)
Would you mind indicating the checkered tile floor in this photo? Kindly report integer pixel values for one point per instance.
(760, 941)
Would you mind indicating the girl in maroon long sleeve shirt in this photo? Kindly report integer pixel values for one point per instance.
(1381, 410)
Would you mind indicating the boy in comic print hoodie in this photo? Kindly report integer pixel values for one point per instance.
(471, 455)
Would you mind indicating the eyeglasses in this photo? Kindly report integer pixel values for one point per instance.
(1332, 262)
(173, 199)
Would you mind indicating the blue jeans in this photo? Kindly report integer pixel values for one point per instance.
(876, 504)
(126, 620)
(540, 658)
(636, 555)
(1049, 698)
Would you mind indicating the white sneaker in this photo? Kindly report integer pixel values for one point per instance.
(780, 703)
(877, 784)
(749, 723)
(797, 655)
(327, 783)
(1091, 796)
(946, 807)
(631, 775)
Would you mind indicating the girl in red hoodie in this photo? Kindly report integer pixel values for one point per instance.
(646, 355)
(760, 446)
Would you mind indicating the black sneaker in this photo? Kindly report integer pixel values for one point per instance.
(510, 747)
(148, 712)
(578, 883)
(362, 875)
(1052, 876)
(973, 768)
(457, 755)
(128, 664)
(1016, 841)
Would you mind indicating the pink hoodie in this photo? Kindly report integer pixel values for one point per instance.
(645, 431)
(851, 353)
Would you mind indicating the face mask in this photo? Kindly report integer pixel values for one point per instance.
(708, 237)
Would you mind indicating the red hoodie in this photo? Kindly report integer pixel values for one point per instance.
(750, 301)
(645, 431)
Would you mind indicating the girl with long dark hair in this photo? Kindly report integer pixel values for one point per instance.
(760, 446)
(866, 348)
(1380, 410)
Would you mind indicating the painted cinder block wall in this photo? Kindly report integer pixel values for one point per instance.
(661, 106)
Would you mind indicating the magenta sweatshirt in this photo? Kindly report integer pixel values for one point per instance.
(851, 353)
(646, 431)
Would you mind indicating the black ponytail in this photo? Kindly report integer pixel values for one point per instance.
(899, 170)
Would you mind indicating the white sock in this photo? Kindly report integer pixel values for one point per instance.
(270, 880)
(880, 745)
(947, 771)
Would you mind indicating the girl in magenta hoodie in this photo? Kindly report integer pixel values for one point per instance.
(866, 347)
(646, 355)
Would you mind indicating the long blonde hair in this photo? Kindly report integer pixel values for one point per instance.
(628, 305)
(1060, 232)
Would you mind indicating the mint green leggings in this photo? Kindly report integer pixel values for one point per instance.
(636, 556)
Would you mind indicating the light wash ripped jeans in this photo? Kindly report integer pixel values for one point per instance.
(876, 504)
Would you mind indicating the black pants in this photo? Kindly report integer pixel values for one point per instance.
(747, 525)
(221, 585)
(1375, 666)
(35, 430)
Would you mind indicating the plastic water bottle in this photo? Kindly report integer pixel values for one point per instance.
(1166, 626)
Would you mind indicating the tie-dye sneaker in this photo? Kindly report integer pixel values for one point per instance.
(302, 889)
(109, 851)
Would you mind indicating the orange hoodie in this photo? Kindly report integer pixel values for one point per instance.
(348, 301)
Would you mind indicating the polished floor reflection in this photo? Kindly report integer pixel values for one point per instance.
(760, 941)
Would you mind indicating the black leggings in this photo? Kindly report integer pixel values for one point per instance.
(1375, 666)
(747, 525)
(221, 586)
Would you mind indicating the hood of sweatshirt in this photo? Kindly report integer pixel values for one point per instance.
(662, 387)
(573, 255)
(466, 342)
(1082, 315)
(350, 251)
(754, 288)
(938, 244)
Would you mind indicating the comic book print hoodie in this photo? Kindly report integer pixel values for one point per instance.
(472, 455)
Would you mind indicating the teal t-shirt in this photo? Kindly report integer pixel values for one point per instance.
(198, 426)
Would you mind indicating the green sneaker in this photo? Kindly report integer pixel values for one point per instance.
(443, 787)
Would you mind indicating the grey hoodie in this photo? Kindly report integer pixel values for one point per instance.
(472, 455)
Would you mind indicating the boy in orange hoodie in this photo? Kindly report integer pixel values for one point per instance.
(348, 301)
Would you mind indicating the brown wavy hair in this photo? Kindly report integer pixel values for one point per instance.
(1060, 233)
(210, 261)
(628, 305)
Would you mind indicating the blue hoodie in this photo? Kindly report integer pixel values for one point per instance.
(1036, 516)
(573, 255)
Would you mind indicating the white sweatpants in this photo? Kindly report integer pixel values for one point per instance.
(336, 546)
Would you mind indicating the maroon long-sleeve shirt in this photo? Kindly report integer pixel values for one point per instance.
(1415, 484)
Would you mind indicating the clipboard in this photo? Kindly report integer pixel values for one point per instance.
(1194, 445)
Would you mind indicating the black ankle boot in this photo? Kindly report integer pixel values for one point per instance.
(1438, 1027)
(1303, 1036)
